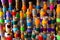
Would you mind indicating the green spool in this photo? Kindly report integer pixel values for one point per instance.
(33, 36)
(26, 36)
(14, 22)
(17, 15)
(58, 20)
(25, 15)
(58, 37)
(1, 20)
(37, 29)
(51, 1)
(22, 28)
(53, 21)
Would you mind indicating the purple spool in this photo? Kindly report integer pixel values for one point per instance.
(49, 29)
(52, 29)
(41, 29)
(58, 1)
(41, 19)
(8, 14)
(3, 1)
(29, 30)
(44, 0)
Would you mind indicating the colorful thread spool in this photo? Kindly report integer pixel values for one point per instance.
(30, 6)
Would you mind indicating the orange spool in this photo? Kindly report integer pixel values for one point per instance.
(21, 14)
(24, 8)
(37, 21)
(30, 6)
(45, 6)
(22, 36)
(58, 9)
(42, 12)
(28, 12)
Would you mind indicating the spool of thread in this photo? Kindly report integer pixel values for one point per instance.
(44, 22)
(49, 21)
(7, 21)
(24, 6)
(58, 1)
(45, 6)
(8, 14)
(10, 1)
(1, 13)
(18, 15)
(49, 29)
(51, 7)
(52, 29)
(53, 21)
(29, 30)
(42, 12)
(44, 29)
(40, 37)
(33, 35)
(4, 9)
(45, 36)
(52, 37)
(38, 7)
(29, 23)
(8, 36)
(16, 35)
(10, 7)
(3, 1)
(37, 30)
(22, 29)
(58, 20)
(30, 6)
(2, 21)
(41, 29)
(14, 22)
(25, 35)
(37, 21)
(21, 15)
(1, 30)
(58, 36)
(28, 13)
(57, 9)
(22, 36)
(15, 29)
(13, 13)
(51, 1)
(44, 0)
(34, 12)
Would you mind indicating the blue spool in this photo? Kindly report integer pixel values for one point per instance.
(6, 21)
(38, 7)
(49, 22)
(15, 29)
(10, 7)
(44, 36)
(4, 9)
(29, 24)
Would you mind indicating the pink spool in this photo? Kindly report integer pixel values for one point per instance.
(1, 27)
(51, 7)
(10, 1)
